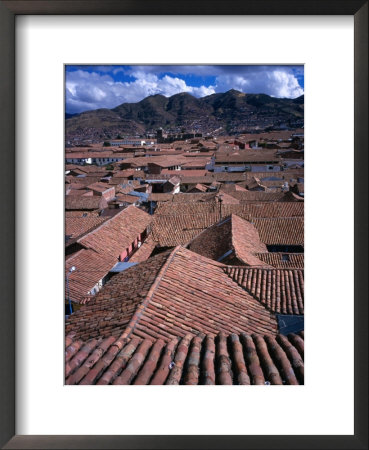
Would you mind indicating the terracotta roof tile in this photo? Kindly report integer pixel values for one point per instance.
(114, 235)
(177, 224)
(233, 239)
(279, 290)
(240, 359)
(280, 231)
(246, 211)
(260, 196)
(171, 295)
(283, 260)
(113, 306)
(101, 249)
(77, 226)
(144, 252)
(85, 203)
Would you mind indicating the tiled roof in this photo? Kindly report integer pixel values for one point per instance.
(185, 173)
(291, 197)
(234, 235)
(266, 209)
(270, 135)
(93, 168)
(99, 187)
(177, 224)
(195, 197)
(110, 311)
(286, 175)
(247, 156)
(81, 213)
(227, 199)
(171, 230)
(283, 260)
(124, 189)
(280, 231)
(246, 241)
(126, 198)
(90, 268)
(82, 181)
(240, 359)
(279, 290)
(189, 178)
(170, 295)
(233, 177)
(199, 187)
(77, 226)
(80, 192)
(259, 196)
(160, 197)
(144, 252)
(124, 173)
(85, 203)
(119, 232)
(102, 247)
(167, 161)
(231, 187)
(189, 208)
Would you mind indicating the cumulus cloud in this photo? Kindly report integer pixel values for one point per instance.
(277, 83)
(90, 90)
(98, 87)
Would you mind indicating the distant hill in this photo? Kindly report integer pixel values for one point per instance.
(68, 115)
(229, 112)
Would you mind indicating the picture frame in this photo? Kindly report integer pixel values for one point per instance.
(8, 11)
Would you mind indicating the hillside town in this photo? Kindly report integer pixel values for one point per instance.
(185, 260)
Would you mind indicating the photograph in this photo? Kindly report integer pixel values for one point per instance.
(184, 224)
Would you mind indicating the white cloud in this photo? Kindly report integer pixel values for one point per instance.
(277, 83)
(86, 90)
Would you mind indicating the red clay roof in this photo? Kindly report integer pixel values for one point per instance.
(259, 196)
(77, 226)
(170, 295)
(102, 247)
(100, 187)
(283, 260)
(279, 290)
(280, 230)
(240, 359)
(177, 224)
(207, 204)
(119, 232)
(234, 235)
(90, 268)
(144, 252)
(85, 203)
(199, 187)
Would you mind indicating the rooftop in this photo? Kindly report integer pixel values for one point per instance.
(170, 295)
(279, 290)
(240, 359)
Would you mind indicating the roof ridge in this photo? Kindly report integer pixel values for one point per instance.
(262, 267)
(107, 221)
(201, 257)
(143, 305)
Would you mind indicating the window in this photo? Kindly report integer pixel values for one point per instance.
(285, 257)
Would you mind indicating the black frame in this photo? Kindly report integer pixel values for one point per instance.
(8, 11)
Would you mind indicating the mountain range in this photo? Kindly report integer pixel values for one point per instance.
(222, 113)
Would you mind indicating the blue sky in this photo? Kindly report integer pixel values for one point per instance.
(93, 87)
